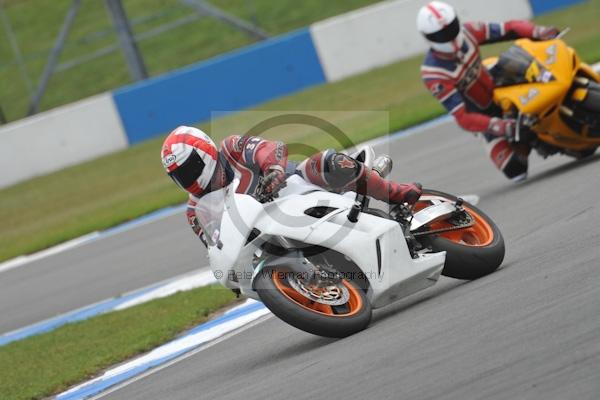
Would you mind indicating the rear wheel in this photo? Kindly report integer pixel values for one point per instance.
(334, 310)
(470, 252)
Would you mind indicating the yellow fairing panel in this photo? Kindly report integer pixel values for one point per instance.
(535, 98)
(543, 99)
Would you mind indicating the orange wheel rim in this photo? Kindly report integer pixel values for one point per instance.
(480, 234)
(355, 301)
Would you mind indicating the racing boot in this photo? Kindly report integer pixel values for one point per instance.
(341, 172)
(372, 184)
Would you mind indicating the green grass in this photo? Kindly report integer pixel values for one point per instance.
(43, 365)
(37, 22)
(98, 194)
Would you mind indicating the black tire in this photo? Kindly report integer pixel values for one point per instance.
(592, 100)
(583, 154)
(310, 321)
(468, 261)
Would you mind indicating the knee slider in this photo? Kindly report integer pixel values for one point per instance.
(340, 170)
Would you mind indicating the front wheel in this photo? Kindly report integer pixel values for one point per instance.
(336, 310)
(470, 252)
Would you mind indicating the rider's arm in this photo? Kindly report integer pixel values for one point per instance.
(493, 32)
(190, 213)
(255, 151)
(476, 122)
(270, 155)
(452, 100)
(447, 94)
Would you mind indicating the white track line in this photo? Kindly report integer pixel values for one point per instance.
(187, 282)
(183, 357)
(162, 289)
(234, 319)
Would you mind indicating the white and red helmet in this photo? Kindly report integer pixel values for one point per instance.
(190, 158)
(438, 22)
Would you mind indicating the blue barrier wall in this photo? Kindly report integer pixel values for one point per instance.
(233, 81)
(544, 6)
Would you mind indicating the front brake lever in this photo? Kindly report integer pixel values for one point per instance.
(517, 137)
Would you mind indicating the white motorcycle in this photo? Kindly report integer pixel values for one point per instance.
(322, 261)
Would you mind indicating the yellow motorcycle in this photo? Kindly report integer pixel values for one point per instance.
(548, 89)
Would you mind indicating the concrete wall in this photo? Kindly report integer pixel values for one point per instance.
(386, 32)
(59, 138)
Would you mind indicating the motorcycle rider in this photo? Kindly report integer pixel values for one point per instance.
(453, 72)
(193, 161)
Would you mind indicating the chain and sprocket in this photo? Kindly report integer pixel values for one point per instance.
(459, 221)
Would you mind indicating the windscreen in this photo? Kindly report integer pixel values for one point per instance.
(516, 66)
(209, 211)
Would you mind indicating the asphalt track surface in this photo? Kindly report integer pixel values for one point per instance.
(97, 271)
(529, 331)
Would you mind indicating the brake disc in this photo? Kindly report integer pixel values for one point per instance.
(333, 295)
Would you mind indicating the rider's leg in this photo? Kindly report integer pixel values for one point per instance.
(510, 158)
(333, 170)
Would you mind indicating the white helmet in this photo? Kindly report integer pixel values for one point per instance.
(438, 22)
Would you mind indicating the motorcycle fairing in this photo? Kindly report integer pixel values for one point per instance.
(375, 245)
(516, 66)
(544, 99)
(547, 94)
